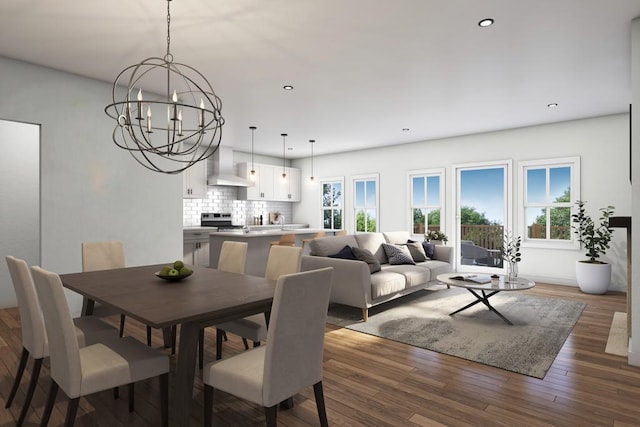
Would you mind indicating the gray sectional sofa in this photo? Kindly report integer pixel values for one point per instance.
(355, 285)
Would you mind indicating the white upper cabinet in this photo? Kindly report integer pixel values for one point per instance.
(269, 184)
(194, 181)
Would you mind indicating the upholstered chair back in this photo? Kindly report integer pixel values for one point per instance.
(283, 260)
(63, 344)
(233, 256)
(295, 339)
(102, 255)
(34, 336)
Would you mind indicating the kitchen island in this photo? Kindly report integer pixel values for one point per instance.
(258, 249)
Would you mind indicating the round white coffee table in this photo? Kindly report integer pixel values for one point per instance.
(487, 290)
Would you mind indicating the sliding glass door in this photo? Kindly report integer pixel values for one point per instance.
(482, 215)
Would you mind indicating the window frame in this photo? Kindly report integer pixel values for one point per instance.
(440, 173)
(365, 177)
(573, 163)
(336, 180)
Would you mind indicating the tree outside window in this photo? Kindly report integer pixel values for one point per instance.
(548, 203)
(332, 205)
(425, 202)
(365, 204)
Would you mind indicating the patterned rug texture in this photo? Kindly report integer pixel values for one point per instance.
(529, 347)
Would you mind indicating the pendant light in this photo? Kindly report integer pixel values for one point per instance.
(193, 127)
(284, 172)
(312, 177)
(252, 174)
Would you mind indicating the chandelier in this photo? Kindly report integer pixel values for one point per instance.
(166, 133)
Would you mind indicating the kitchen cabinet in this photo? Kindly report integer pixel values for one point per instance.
(269, 184)
(195, 248)
(194, 181)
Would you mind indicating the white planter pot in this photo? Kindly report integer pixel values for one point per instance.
(593, 278)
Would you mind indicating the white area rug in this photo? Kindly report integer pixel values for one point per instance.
(529, 347)
(618, 343)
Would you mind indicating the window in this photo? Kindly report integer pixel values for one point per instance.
(549, 189)
(332, 209)
(365, 203)
(426, 210)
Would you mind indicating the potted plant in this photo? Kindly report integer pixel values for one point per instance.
(593, 276)
(511, 254)
(436, 237)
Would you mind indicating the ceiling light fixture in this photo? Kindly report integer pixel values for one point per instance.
(284, 173)
(405, 129)
(552, 105)
(486, 22)
(312, 142)
(287, 87)
(252, 174)
(193, 128)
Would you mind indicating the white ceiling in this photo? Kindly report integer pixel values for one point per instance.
(362, 69)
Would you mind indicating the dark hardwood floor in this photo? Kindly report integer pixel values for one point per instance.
(370, 381)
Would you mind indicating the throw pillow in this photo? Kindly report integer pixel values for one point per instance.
(417, 251)
(429, 249)
(397, 254)
(366, 256)
(345, 253)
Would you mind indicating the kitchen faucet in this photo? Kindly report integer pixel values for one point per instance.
(282, 221)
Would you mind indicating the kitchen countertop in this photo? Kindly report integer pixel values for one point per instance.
(262, 233)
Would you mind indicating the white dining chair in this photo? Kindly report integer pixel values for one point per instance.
(88, 330)
(281, 260)
(97, 367)
(233, 256)
(292, 358)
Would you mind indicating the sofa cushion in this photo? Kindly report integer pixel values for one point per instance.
(397, 254)
(414, 274)
(386, 283)
(396, 237)
(373, 243)
(325, 246)
(367, 256)
(344, 253)
(436, 267)
(417, 251)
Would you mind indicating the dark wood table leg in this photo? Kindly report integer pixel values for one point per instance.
(167, 337)
(87, 306)
(185, 372)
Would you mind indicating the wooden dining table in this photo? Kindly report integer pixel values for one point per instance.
(205, 298)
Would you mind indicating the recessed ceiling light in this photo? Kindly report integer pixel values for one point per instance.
(405, 129)
(290, 148)
(552, 105)
(287, 87)
(486, 22)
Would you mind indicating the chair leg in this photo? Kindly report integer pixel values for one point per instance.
(271, 414)
(208, 406)
(365, 313)
(131, 391)
(164, 399)
(35, 373)
(201, 349)
(23, 362)
(219, 334)
(51, 399)
(72, 410)
(149, 336)
(174, 334)
(246, 344)
(322, 411)
(122, 317)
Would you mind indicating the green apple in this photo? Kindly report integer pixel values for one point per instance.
(178, 265)
(173, 272)
(165, 270)
(185, 271)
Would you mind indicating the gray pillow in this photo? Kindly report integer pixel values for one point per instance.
(417, 251)
(397, 254)
(366, 256)
(345, 253)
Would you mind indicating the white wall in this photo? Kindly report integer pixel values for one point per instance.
(90, 189)
(602, 143)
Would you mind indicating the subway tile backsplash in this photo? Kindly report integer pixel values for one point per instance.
(225, 200)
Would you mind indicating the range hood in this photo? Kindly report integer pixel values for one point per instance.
(222, 171)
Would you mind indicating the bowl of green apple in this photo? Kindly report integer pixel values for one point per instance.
(174, 272)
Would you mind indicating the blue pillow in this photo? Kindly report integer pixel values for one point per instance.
(345, 253)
